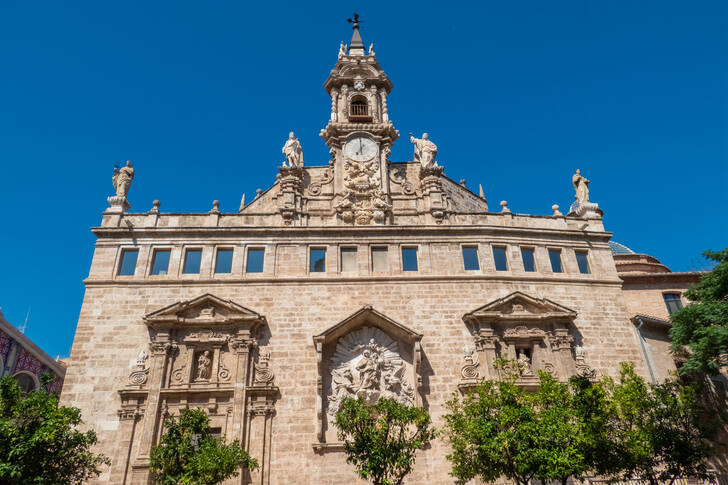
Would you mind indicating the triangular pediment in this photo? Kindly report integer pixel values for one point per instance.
(203, 310)
(520, 306)
(368, 316)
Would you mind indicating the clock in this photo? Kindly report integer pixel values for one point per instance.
(360, 149)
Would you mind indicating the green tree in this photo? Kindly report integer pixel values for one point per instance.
(39, 440)
(188, 454)
(657, 430)
(381, 440)
(500, 429)
(702, 327)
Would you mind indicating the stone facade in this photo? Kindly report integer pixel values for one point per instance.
(269, 347)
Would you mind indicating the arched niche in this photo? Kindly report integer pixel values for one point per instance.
(366, 355)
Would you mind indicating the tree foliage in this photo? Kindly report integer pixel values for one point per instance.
(39, 440)
(188, 454)
(702, 327)
(381, 440)
(658, 431)
(501, 429)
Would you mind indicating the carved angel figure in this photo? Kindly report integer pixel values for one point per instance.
(425, 150)
(581, 185)
(122, 179)
(204, 365)
(293, 151)
(342, 50)
(524, 363)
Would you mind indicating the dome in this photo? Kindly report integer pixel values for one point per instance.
(618, 248)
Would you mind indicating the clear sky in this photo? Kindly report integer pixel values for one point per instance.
(201, 96)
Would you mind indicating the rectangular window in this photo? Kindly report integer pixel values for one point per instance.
(380, 264)
(160, 262)
(409, 259)
(348, 260)
(128, 262)
(256, 257)
(318, 260)
(555, 257)
(470, 258)
(193, 258)
(500, 258)
(529, 263)
(224, 261)
(673, 302)
(583, 261)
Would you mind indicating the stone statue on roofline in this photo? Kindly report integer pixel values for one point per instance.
(581, 185)
(425, 151)
(293, 152)
(122, 179)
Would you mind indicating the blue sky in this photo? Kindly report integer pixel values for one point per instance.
(201, 96)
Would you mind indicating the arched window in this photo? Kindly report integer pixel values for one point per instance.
(359, 109)
(26, 381)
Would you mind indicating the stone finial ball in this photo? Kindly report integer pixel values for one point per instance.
(504, 203)
(215, 202)
(156, 203)
(555, 207)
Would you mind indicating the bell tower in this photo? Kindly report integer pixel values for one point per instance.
(359, 134)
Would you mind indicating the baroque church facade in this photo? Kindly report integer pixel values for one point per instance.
(357, 277)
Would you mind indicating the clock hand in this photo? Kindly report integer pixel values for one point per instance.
(361, 148)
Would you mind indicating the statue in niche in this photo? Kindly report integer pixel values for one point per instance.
(581, 185)
(366, 364)
(524, 362)
(425, 151)
(293, 152)
(122, 179)
(204, 366)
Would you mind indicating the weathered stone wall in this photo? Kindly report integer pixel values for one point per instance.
(298, 305)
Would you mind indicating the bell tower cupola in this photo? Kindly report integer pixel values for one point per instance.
(359, 133)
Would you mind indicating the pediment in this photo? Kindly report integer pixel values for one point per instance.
(367, 316)
(519, 306)
(204, 310)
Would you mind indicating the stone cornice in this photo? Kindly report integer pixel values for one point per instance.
(311, 231)
(334, 279)
(642, 278)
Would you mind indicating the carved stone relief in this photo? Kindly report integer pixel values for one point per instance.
(362, 201)
(367, 364)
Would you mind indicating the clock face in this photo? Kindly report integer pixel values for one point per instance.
(360, 149)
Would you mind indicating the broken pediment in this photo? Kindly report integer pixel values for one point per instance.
(520, 307)
(205, 310)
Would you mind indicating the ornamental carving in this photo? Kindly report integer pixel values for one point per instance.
(263, 373)
(316, 187)
(362, 201)
(367, 364)
(469, 369)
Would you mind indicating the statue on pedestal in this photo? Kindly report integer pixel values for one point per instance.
(425, 151)
(581, 185)
(293, 152)
(122, 179)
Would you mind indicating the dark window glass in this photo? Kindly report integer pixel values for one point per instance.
(256, 258)
(555, 257)
(501, 261)
(318, 260)
(673, 302)
(583, 262)
(529, 263)
(192, 261)
(160, 264)
(128, 262)
(224, 261)
(470, 258)
(348, 260)
(409, 259)
(26, 383)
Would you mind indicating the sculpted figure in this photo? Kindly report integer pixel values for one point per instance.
(579, 352)
(581, 185)
(141, 358)
(524, 363)
(425, 150)
(342, 50)
(204, 365)
(293, 151)
(122, 179)
(368, 369)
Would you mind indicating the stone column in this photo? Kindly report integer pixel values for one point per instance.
(485, 344)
